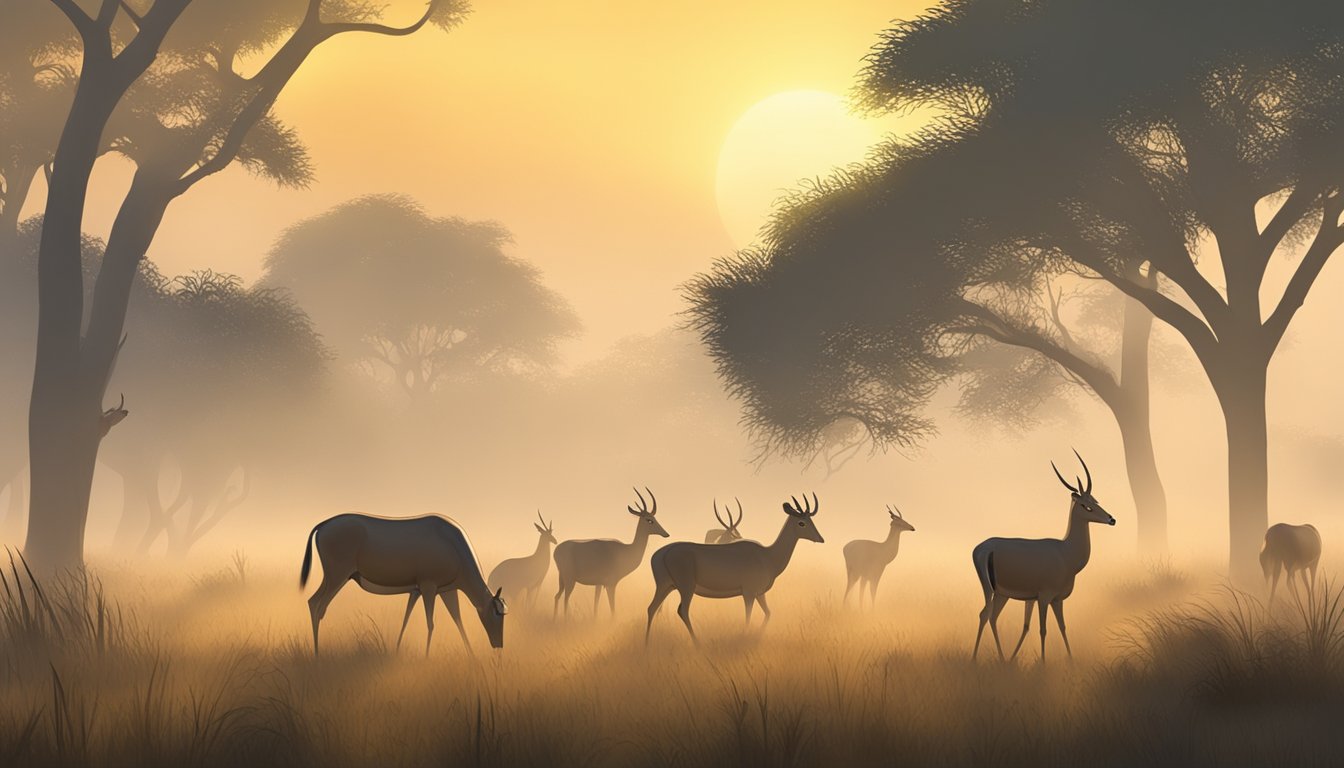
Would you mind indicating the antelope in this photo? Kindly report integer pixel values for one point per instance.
(1040, 572)
(1293, 548)
(728, 530)
(745, 569)
(604, 562)
(425, 556)
(522, 575)
(866, 560)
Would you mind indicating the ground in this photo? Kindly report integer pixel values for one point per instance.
(149, 667)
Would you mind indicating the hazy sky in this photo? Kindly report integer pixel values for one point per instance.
(592, 129)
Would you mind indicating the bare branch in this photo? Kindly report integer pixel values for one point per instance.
(135, 18)
(1328, 239)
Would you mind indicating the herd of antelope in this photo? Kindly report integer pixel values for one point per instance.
(430, 557)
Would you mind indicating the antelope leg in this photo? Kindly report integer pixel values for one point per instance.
(1026, 627)
(410, 606)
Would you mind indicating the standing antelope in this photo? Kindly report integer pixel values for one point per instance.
(604, 562)
(866, 560)
(745, 569)
(1038, 571)
(728, 530)
(1293, 548)
(425, 556)
(523, 575)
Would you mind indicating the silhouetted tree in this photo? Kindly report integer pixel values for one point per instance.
(167, 83)
(424, 298)
(37, 77)
(1110, 138)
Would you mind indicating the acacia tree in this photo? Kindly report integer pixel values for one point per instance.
(196, 52)
(231, 363)
(919, 288)
(1105, 135)
(422, 298)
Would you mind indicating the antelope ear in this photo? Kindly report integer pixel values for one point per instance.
(539, 528)
(788, 509)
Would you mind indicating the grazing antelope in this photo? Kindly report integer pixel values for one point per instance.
(604, 562)
(728, 530)
(425, 556)
(523, 575)
(1040, 572)
(745, 569)
(866, 560)
(1295, 549)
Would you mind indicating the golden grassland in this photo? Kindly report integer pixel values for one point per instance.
(137, 667)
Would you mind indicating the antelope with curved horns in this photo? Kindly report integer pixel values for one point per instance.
(866, 560)
(604, 562)
(523, 575)
(728, 530)
(745, 569)
(1040, 572)
(425, 556)
(1294, 549)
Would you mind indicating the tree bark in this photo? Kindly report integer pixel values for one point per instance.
(1241, 393)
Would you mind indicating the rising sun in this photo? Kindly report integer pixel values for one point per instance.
(779, 141)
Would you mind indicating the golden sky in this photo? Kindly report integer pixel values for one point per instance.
(591, 128)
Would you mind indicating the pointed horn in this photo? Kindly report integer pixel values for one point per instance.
(643, 505)
(499, 592)
(1061, 478)
(1086, 471)
(653, 511)
(816, 505)
(739, 512)
(720, 519)
(542, 519)
(796, 506)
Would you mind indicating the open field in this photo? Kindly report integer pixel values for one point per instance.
(159, 669)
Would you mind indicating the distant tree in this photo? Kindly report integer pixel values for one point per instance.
(184, 88)
(230, 366)
(1106, 138)
(421, 298)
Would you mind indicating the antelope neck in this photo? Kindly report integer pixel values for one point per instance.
(543, 548)
(781, 551)
(1077, 539)
(475, 588)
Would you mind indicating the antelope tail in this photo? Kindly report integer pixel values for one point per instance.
(308, 558)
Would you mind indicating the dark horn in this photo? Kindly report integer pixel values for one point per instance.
(653, 511)
(816, 505)
(739, 512)
(796, 506)
(1086, 471)
(1061, 478)
(720, 519)
(643, 505)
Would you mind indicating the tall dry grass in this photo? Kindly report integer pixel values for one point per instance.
(159, 669)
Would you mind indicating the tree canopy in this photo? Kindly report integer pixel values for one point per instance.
(421, 298)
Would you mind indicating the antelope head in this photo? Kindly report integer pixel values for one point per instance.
(112, 417)
(1083, 501)
(898, 521)
(647, 522)
(492, 614)
(547, 530)
(730, 527)
(802, 515)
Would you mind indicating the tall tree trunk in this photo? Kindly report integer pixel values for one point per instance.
(1135, 422)
(1241, 393)
(64, 415)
